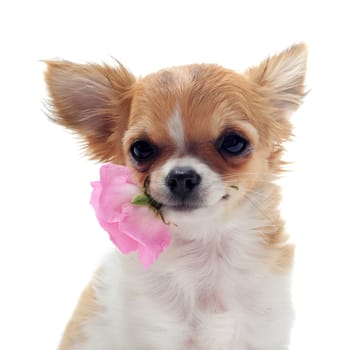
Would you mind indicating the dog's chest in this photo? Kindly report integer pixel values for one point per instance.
(196, 298)
(209, 281)
(204, 294)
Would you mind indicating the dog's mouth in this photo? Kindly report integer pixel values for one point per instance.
(186, 206)
(165, 201)
(182, 207)
(194, 201)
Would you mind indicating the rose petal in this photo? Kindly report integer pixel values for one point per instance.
(114, 174)
(148, 230)
(112, 199)
(130, 227)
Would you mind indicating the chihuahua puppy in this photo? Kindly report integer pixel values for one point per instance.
(210, 140)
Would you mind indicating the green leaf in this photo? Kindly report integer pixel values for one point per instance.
(141, 199)
(146, 200)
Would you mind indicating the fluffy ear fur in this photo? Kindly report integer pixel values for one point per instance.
(281, 78)
(94, 101)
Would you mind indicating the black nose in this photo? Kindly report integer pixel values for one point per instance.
(182, 180)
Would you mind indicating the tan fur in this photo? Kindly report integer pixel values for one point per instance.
(110, 109)
(85, 309)
(275, 237)
(94, 101)
(101, 103)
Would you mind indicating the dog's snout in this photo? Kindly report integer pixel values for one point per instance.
(182, 181)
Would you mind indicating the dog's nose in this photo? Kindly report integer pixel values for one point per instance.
(182, 180)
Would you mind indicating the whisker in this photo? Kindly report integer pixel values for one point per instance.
(271, 221)
(245, 175)
(256, 193)
(231, 181)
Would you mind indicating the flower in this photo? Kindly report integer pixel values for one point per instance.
(130, 227)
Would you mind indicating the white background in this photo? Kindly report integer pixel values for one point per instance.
(50, 242)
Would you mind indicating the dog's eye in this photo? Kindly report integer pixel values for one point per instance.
(232, 144)
(142, 151)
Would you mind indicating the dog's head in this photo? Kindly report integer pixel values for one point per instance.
(205, 137)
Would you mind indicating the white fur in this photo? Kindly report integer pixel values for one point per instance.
(210, 293)
(287, 71)
(214, 287)
(175, 129)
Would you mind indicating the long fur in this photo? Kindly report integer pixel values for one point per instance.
(224, 282)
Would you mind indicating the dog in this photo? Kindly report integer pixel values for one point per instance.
(210, 140)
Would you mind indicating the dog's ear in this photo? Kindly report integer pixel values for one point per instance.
(281, 78)
(94, 101)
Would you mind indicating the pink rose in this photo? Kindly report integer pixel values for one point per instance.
(130, 227)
